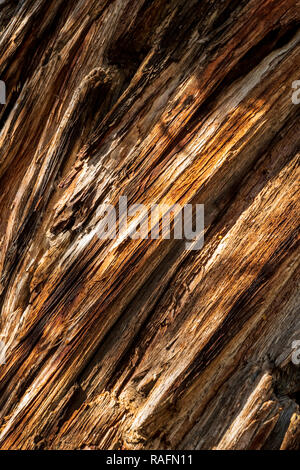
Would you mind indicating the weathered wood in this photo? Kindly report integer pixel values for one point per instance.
(144, 344)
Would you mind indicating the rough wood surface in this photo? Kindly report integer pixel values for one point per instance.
(144, 344)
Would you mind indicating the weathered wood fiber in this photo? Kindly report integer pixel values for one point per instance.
(144, 344)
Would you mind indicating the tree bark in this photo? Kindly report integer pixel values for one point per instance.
(143, 344)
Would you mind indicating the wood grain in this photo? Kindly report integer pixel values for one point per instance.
(142, 344)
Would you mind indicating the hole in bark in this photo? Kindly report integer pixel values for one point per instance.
(296, 397)
(130, 48)
(77, 399)
(287, 382)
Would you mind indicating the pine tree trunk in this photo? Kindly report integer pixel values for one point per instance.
(143, 344)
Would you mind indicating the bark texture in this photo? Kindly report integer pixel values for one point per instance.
(143, 344)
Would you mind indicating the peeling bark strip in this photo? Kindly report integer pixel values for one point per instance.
(143, 344)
